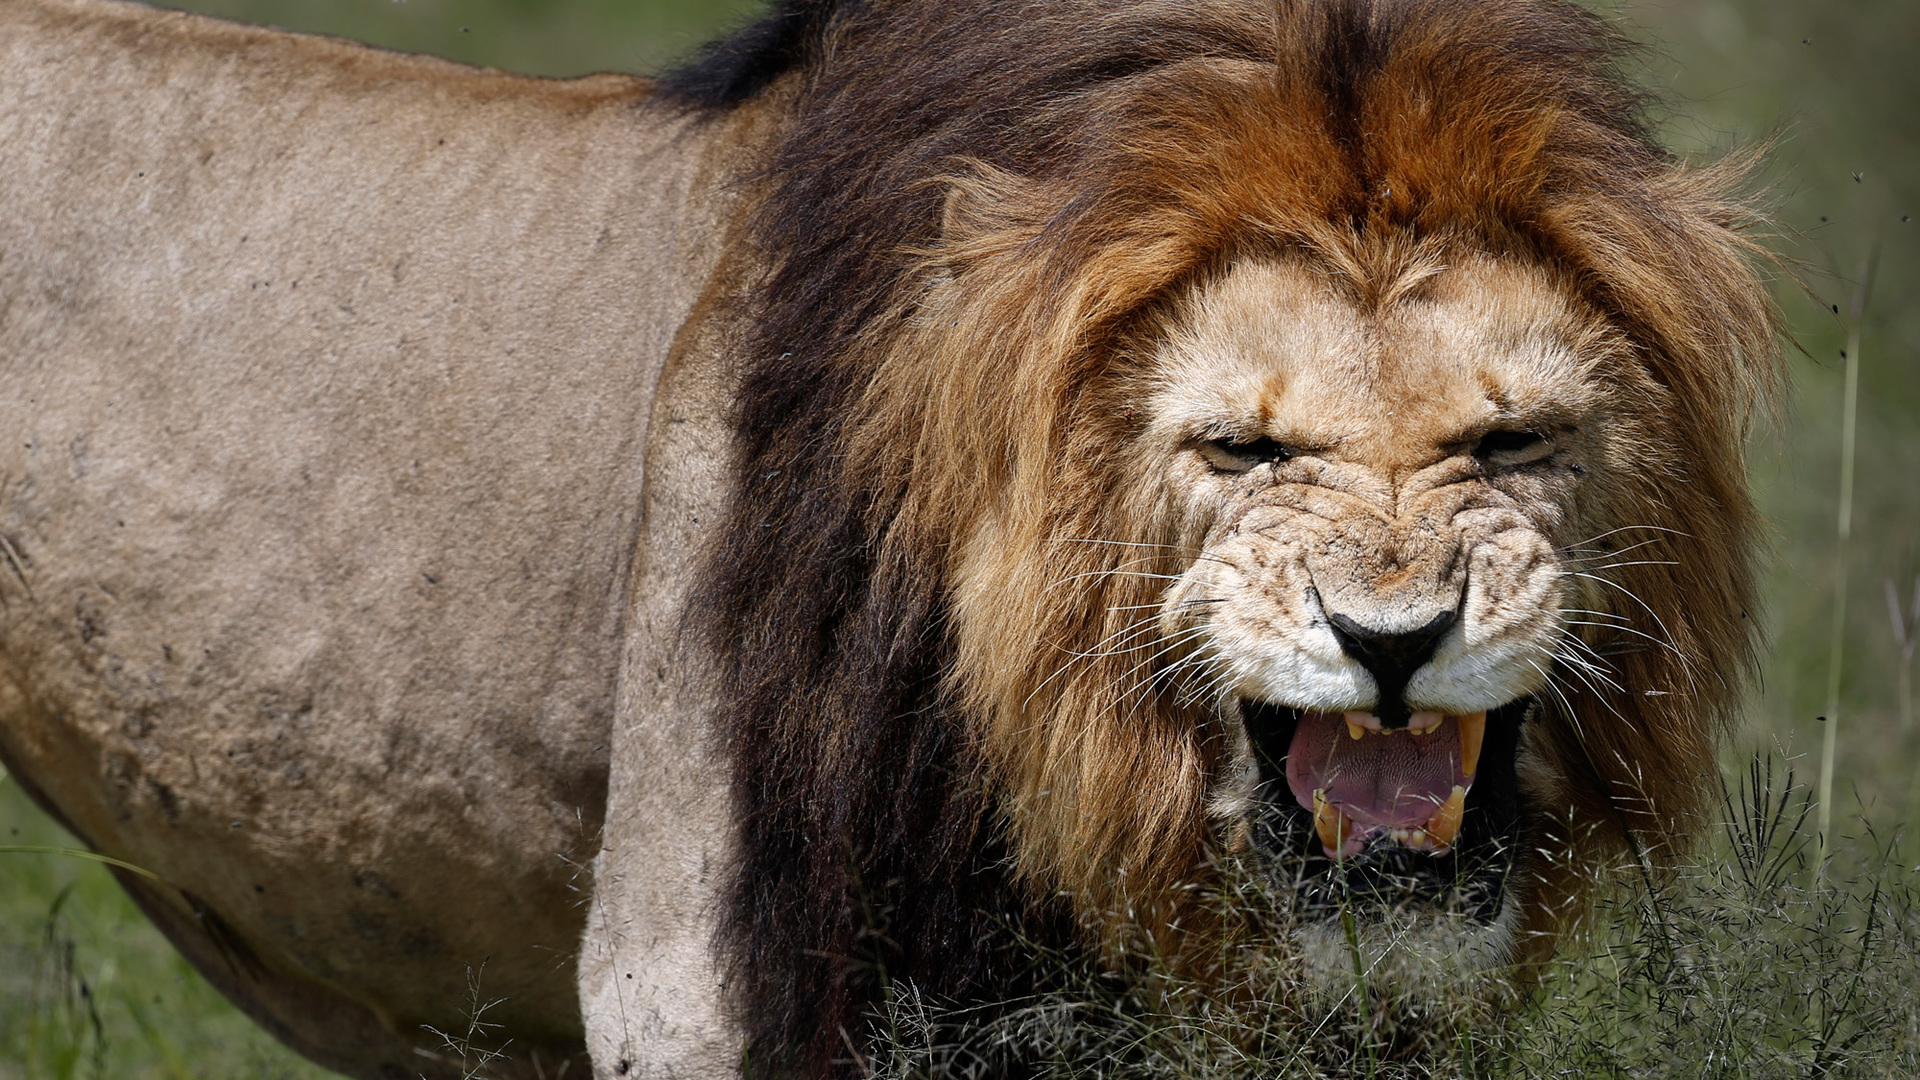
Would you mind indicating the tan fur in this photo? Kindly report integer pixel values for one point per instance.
(326, 375)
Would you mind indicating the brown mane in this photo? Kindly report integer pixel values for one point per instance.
(969, 224)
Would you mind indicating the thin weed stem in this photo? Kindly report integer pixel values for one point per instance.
(1850, 410)
(1360, 988)
(1906, 635)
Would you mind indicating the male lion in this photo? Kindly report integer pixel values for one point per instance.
(923, 481)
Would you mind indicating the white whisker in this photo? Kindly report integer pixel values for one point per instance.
(1629, 528)
(1685, 661)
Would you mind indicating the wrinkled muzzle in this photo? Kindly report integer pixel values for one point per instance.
(1383, 673)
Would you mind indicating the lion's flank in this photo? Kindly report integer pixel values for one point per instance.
(968, 224)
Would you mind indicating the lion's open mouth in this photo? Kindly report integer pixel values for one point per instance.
(1361, 780)
(1427, 813)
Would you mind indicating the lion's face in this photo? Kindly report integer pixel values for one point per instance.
(1378, 492)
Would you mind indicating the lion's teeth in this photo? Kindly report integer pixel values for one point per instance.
(1421, 723)
(1444, 825)
(1473, 731)
(1330, 824)
(1355, 730)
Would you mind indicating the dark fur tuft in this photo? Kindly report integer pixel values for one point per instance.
(734, 68)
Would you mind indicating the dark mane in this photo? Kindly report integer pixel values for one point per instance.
(732, 69)
(872, 849)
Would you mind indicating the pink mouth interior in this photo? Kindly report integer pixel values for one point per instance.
(1379, 781)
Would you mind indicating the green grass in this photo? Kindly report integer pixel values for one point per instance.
(89, 989)
(1740, 967)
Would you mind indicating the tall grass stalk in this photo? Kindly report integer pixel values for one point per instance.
(1850, 409)
(1906, 635)
(77, 853)
(1350, 928)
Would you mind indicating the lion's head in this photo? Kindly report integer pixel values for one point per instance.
(1306, 430)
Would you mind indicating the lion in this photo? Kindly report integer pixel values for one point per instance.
(908, 488)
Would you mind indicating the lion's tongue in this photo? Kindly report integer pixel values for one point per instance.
(1379, 781)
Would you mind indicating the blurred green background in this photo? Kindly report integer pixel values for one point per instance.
(540, 37)
(87, 989)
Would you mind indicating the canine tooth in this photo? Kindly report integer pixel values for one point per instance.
(1355, 730)
(1330, 824)
(1473, 731)
(1444, 825)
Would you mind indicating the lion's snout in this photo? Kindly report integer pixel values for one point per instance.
(1391, 656)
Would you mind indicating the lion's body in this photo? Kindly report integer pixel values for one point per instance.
(673, 545)
(327, 376)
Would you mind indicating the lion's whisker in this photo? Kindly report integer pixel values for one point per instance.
(1591, 611)
(1585, 671)
(1566, 703)
(1630, 528)
(1215, 680)
(1172, 643)
(1648, 607)
(1182, 548)
(1609, 553)
(1183, 636)
(1573, 717)
(1215, 687)
(1667, 645)
(1636, 562)
(1182, 605)
(1575, 639)
(1114, 573)
(1195, 554)
(1132, 691)
(1097, 652)
(1099, 648)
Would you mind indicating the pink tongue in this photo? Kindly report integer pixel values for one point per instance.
(1392, 781)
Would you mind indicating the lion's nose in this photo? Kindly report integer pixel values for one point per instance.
(1391, 657)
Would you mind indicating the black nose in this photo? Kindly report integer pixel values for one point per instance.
(1391, 658)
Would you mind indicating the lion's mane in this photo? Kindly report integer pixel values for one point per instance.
(966, 231)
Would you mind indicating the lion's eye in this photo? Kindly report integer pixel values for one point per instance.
(1512, 447)
(1231, 455)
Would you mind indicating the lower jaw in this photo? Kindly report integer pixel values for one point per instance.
(1469, 878)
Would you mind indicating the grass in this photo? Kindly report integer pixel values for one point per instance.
(1747, 963)
(476, 1046)
(89, 990)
